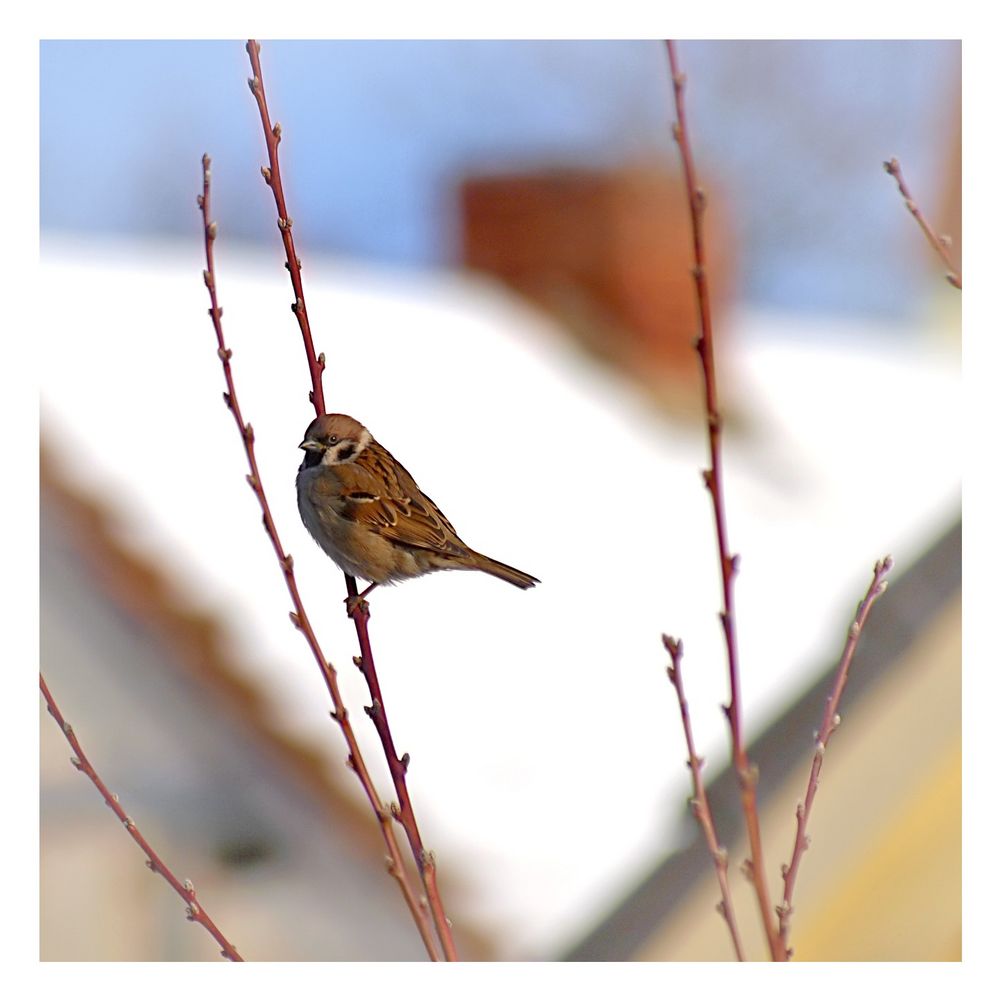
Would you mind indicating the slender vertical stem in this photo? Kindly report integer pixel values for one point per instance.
(272, 176)
(699, 801)
(299, 617)
(358, 609)
(398, 765)
(728, 562)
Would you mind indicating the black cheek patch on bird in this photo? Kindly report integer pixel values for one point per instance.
(312, 459)
(346, 451)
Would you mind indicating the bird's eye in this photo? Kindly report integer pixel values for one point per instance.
(332, 439)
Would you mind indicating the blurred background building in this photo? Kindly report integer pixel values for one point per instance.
(496, 255)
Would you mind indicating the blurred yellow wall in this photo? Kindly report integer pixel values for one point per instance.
(882, 879)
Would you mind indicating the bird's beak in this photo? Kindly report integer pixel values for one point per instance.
(308, 445)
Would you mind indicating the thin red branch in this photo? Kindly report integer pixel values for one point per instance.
(195, 910)
(299, 617)
(404, 812)
(938, 242)
(746, 772)
(699, 801)
(272, 176)
(831, 720)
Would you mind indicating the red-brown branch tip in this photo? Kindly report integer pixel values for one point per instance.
(939, 242)
(828, 726)
(699, 799)
(272, 177)
(194, 911)
(675, 647)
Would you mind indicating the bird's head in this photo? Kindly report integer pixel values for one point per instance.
(334, 439)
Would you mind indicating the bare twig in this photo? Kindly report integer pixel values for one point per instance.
(699, 801)
(938, 242)
(299, 617)
(831, 720)
(195, 910)
(357, 609)
(398, 765)
(272, 176)
(746, 772)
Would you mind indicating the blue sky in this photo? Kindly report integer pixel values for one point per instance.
(377, 135)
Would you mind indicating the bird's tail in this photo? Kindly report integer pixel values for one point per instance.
(505, 572)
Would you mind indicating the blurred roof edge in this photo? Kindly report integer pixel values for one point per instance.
(897, 625)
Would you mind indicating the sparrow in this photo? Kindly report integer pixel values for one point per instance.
(367, 513)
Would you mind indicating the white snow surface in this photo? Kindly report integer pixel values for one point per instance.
(547, 758)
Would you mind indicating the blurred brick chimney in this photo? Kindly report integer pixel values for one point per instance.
(609, 254)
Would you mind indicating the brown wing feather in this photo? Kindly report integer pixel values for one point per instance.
(386, 498)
